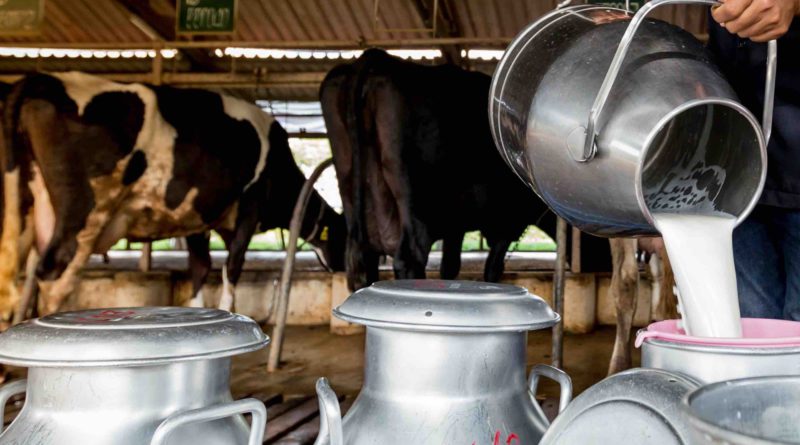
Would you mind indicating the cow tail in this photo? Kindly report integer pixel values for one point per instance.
(10, 159)
(356, 129)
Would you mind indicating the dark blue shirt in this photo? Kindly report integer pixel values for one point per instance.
(744, 63)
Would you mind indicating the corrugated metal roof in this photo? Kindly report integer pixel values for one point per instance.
(77, 21)
(355, 19)
(90, 21)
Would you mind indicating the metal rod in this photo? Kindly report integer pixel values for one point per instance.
(558, 291)
(227, 80)
(575, 254)
(499, 42)
(769, 89)
(590, 147)
(146, 260)
(269, 44)
(295, 225)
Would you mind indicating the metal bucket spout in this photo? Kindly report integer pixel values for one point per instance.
(610, 118)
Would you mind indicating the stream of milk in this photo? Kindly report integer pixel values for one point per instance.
(700, 248)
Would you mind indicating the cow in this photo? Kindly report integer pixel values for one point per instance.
(625, 254)
(96, 161)
(416, 163)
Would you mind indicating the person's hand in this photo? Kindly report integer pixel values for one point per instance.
(758, 20)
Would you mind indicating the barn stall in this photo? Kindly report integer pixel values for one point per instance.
(276, 53)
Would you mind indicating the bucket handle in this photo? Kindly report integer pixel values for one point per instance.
(590, 141)
(559, 376)
(330, 415)
(253, 406)
(8, 391)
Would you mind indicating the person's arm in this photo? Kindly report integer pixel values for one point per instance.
(758, 20)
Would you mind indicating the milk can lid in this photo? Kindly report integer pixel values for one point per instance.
(447, 306)
(129, 337)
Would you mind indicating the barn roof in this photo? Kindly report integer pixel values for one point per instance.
(119, 27)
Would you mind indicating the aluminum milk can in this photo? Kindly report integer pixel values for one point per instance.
(131, 376)
(752, 411)
(646, 405)
(444, 364)
(610, 117)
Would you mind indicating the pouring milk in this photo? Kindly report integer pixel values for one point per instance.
(700, 248)
(699, 242)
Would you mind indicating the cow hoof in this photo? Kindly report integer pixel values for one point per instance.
(198, 301)
(226, 302)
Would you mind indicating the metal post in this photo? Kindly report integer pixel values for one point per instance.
(276, 346)
(146, 260)
(575, 253)
(558, 292)
(158, 66)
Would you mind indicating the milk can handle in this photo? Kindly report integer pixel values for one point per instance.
(590, 143)
(330, 415)
(253, 406)
(8, 391)
(553, 373)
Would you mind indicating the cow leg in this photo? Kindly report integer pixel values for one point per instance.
(68, 255)
(624, 289)
(199, 265)
(495, 262)
(29, 289)
(237, 243)
(411, 257)
(361, 264)
(451, 256)
(667, 304)
(9, 241)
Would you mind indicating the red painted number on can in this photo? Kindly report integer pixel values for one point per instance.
(512, 439)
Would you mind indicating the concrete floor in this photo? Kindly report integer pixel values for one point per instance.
(312, 352)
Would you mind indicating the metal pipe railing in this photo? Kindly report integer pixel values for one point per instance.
(276, 345)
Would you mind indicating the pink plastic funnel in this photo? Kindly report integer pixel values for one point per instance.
(759, 332)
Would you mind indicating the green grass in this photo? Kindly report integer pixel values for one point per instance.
(533, 240)
(264, 241)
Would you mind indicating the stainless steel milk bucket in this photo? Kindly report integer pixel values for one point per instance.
(132, 376)
(717, 359)
(754, 411)
(717, 363)
(445, 364)
(610, 117)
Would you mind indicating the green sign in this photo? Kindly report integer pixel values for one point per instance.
(21, 17)
(206, 16)
(634, 4)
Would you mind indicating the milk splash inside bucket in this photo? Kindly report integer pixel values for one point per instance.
(700, 249)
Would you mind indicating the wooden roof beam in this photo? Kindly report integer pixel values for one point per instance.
(446, 25)
(164, 28)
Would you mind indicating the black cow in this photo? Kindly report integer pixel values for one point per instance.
(416, 163)
(106, 160)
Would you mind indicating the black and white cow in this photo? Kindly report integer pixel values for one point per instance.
(416, 163)
(106, 160)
